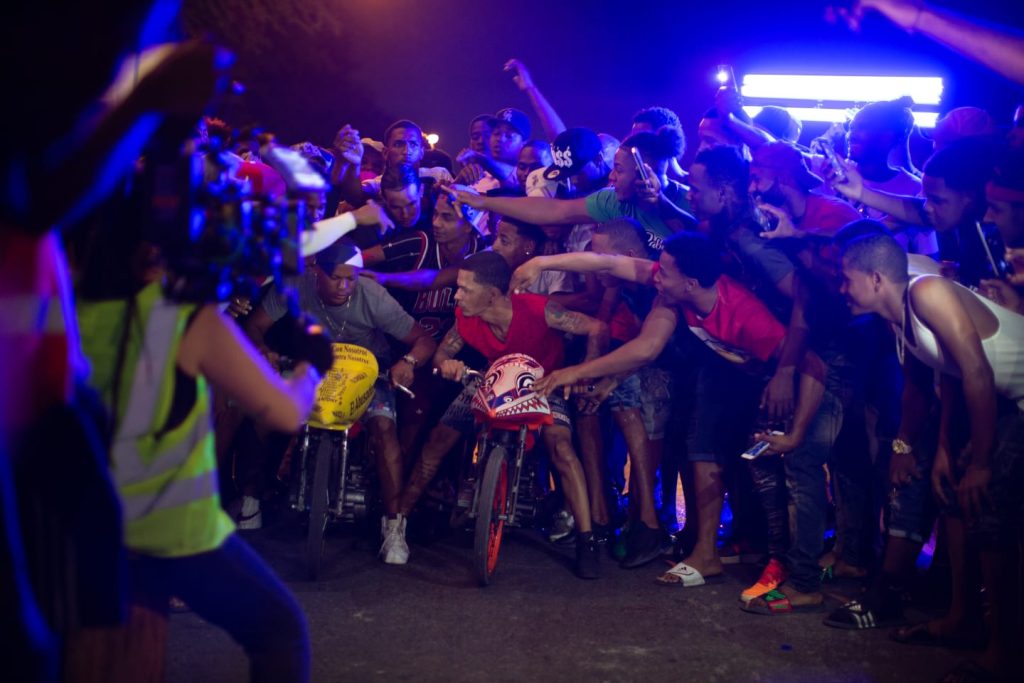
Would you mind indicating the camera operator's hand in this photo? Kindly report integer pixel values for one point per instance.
(349, 145)
(372, 213)
(310, 344)
(520, 74)
(239, 306)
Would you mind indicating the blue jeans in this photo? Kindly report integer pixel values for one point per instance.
(805, 482)
(231, 587)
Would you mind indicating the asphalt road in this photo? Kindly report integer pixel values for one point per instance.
(431, 621)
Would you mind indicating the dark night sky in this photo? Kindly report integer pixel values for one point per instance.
(311, 66)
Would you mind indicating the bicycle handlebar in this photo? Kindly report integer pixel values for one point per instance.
(466, 373)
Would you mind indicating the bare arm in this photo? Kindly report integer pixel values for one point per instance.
(937, 304)
(778, 398)
(422, 348)
(657, 329)
(999, 48)
(622, 267)
(901, 207)
(449, 346)
(419, 280)
(537, 210)
(550, 121)
(574, 322)
(214, 347)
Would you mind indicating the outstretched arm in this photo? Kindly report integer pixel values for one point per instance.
(558, 317)
(417, 280)
(999, 48)
(654, 335)
(536, 210)
(622, 267)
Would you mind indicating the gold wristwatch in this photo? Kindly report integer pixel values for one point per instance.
(902, 447)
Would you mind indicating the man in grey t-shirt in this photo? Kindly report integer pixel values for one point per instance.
(355, 310)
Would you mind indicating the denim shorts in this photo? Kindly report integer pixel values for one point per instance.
(724, 411)
(383, 402)
(459, 415)
(912, 507)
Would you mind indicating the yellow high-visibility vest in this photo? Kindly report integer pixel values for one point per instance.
(166, 479)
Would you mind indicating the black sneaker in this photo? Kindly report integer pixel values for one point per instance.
(602, 532)
(588, 554)
(644, 545)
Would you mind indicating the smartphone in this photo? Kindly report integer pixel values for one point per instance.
(759, 448)
(725, 75)
(640, 168)
(824, 145)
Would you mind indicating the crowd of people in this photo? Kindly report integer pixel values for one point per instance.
(831, 345)
(861, 319)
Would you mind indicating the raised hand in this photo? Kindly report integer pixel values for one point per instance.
(852, 186)
(648, 191)
(785, 227)
(348, 144)
(520, 74)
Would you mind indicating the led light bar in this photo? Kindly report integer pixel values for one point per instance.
(924, 119)
(924, 90)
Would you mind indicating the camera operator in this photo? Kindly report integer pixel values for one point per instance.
(153, 360)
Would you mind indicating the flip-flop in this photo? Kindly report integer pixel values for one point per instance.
(683, 575)
(775, 602)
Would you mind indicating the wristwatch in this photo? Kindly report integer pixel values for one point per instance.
(408, 358)
(902, 447)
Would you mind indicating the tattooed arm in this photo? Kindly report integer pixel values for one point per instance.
(574, 322)
(444, 357)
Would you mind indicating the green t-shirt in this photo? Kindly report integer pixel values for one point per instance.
(604, 206)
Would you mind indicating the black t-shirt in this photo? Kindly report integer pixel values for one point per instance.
(432, 308)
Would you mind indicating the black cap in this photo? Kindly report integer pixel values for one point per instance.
(572, 150)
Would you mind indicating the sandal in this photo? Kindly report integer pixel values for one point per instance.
(685, 576)
(856, 616)
(776, 602)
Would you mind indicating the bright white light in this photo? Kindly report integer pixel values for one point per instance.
(924, 119)
(722, 76)
(924, 90)
(433, 138)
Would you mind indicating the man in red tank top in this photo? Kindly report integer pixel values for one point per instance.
(494, 323)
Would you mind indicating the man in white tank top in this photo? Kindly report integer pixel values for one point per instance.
(977, 348)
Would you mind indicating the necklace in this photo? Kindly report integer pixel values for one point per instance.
(337, 333)
(901, 338)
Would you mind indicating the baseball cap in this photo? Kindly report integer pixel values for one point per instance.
(573, 149)
(514, 118)
(963, 122)
(785, 159)
(263, 179)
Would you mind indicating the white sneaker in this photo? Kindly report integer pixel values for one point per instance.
(250, 517)
(394, 549)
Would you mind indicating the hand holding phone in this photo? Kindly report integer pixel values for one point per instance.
(639, 160)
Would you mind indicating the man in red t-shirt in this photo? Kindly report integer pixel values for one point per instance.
(496, 324)
(737, 326)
